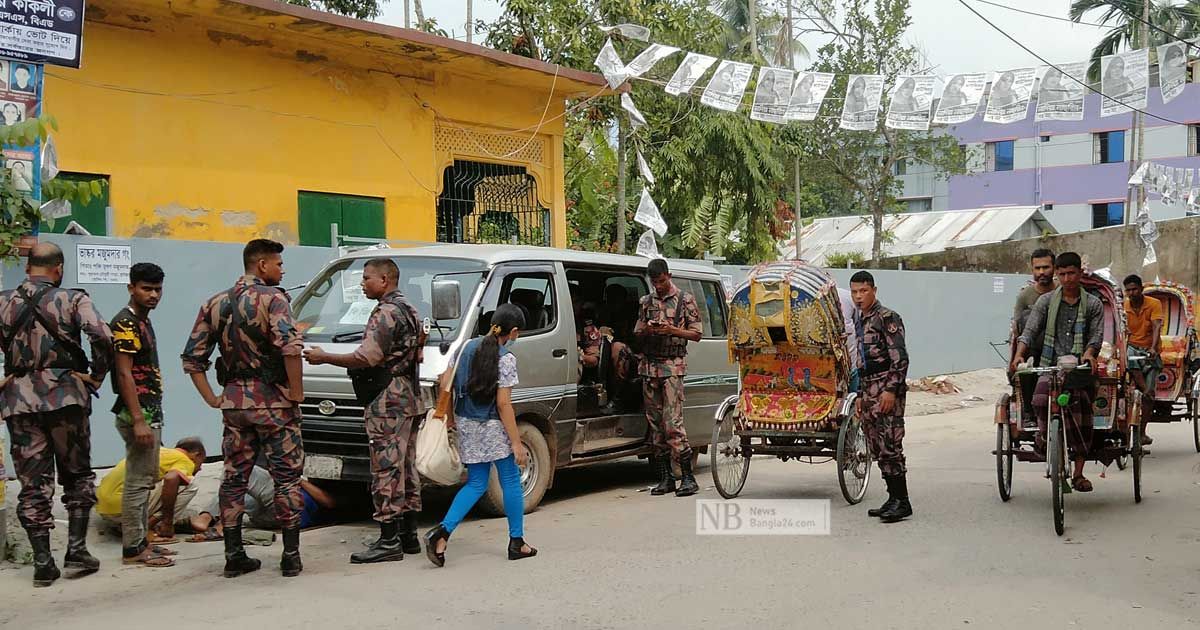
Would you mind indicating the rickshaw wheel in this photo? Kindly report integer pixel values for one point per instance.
(1057, 454)
(1136, 449)
(853, 460)
(728, 461)
(1004, 461)
(1194, 413)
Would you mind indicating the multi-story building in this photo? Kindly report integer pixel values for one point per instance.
(1077, 172)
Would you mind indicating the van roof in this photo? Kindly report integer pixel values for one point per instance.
(496, 254)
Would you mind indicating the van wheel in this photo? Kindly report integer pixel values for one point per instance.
(535, 477)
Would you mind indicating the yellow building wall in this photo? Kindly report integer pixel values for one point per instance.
(208, 134)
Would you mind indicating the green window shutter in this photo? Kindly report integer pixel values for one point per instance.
(354, 216)
(93, 216)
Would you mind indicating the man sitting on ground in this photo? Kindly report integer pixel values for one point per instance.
(260, 507)
(168, 501)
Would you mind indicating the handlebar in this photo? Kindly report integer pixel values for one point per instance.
(1084, 367)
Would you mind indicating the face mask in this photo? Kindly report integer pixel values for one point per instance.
(509, 344)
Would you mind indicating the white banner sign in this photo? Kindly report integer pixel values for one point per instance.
(1009, 99)
(727, 86)
(1124, 80)
(1172, 70)
(646, 245)
(611, 66)
(648, 214)
(635, 116)
(688, 73)
(103, 264)
(649, 57)
(772, 94)
(1059, 96)
(860, 112)
(961, 98)
(807, 96)
(644, 169)
(911, 99)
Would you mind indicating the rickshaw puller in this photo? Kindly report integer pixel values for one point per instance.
(1144, 316)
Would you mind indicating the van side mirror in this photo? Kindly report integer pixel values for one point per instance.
(447, 303)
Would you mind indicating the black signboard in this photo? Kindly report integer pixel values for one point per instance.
(42, 31)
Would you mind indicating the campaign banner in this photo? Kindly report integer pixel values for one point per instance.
(42, 31)
(21, 100)
(909, 103)
(1061, 92)
(1125, 81)
(688, 73)
(728, 85)
(960, 99)
(1172, 70)
(1009, 98)
(860, 111)
(611, 66)
(807, 96)
(772, 94)
(653, 54)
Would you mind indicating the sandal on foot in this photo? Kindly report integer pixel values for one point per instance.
(155, 539)
(162, 551)
(151, 560)
(208, 535)
(1081, 484)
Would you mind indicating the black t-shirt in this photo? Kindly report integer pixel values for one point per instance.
(135, 335)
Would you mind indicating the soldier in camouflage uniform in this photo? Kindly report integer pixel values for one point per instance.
(46, 400)
(261, 370)
(667, 319)
(880, 333)
(392, 342)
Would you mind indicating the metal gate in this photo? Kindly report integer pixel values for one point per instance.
(490, 203)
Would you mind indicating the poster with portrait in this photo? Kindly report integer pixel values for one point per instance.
(1008, 101)
(1125, 81)
(860, 111)
(960, 99)
(727, 86)
(808, 94)
(1061, 92)
(688, 73)
(1172, 70)
(21, 100)
(909, 103)
(653, 54)
(772, 94)
(611, 66)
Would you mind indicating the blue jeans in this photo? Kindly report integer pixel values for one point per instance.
(854, 381)
(476, 486)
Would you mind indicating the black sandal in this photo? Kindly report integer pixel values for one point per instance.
(432, 538)
(514, 549)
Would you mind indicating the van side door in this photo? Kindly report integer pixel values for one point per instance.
(711, 376)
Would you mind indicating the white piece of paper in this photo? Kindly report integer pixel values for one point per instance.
(1139, 175)
(808, 94)
(728, 86)
(1061, 93)
(1151, 256)
(611, 66)
(998, 284)
(644, 169)
(646, 245)
(632, 31)
(1172, 70)
(49, 160)
(635, 117)
(1147, 229)
(648, 214)
(1008, 101)
(772, 94)
(690, 70)
(1124, 81)
(358, 314)
(860, 111)
(102, 264)
(352, 286)
(910, 102)
(960, 99)
(56, 209)
(653, 54)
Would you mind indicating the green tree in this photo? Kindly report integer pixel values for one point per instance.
(360, 9)
(864, 163)
(1126, 17)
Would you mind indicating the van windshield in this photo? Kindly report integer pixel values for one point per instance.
(333, 308)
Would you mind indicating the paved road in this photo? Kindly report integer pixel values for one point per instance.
(614, 557)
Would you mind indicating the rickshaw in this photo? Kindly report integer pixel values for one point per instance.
(1115, 405)
(787, 335)
(1177, 391)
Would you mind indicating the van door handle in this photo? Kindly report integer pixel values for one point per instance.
(560, 353)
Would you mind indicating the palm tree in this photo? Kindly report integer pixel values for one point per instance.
(770, 32)
(1168, 22)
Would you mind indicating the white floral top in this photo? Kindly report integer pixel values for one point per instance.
(486, 441)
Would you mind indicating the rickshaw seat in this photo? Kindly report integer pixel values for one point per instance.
(1173, 350)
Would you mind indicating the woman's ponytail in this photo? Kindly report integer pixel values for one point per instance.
(485, 365)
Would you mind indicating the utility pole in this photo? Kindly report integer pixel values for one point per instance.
(407, 24)
(797, 221)
(470, 21)
(1136, 196)
(752, 15)
(1141, 145)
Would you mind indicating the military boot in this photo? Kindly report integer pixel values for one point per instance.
(891, 500)
(902, 509)
(687, 483)
(387, 549)
(666, 478)
(236, 561)
(78, 556)
(290, 563)
(44, 569)
(410, 541)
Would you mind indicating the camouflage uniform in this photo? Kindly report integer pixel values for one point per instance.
(258, 415)
(394, 338)
(664, 367)
(46, 407)
(885, 366)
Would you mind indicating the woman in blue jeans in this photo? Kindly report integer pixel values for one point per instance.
(487, 433)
